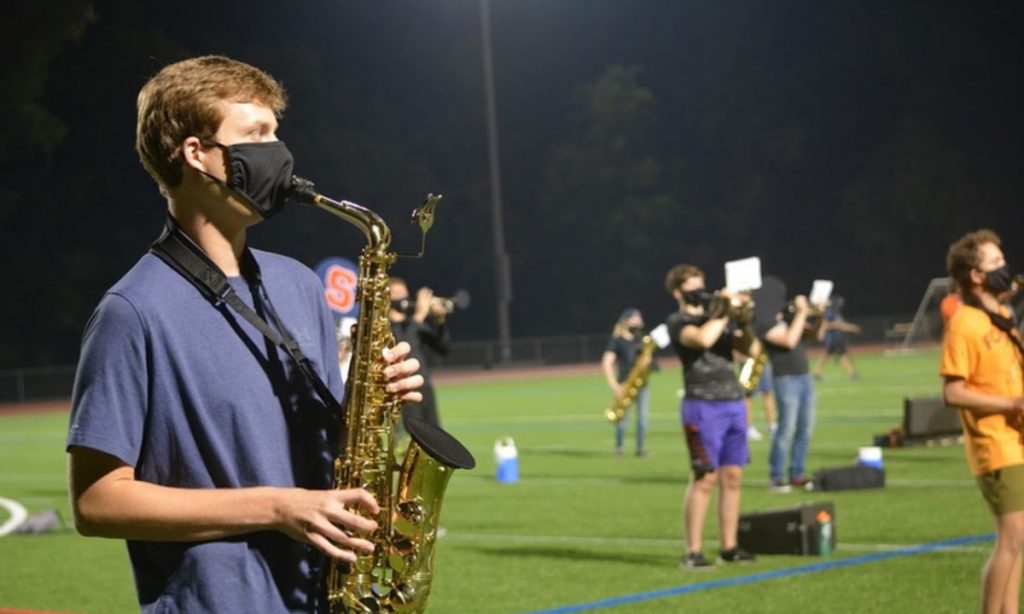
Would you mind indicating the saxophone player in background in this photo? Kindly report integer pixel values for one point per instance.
(623, 354)
(713, 411)
(185, 417)
(794, 391)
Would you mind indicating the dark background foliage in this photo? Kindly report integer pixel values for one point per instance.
(839, 140)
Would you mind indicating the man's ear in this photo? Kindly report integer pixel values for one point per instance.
(193, 153)
(678, 293)
(977, 277)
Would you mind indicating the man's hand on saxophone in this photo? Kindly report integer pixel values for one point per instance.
(403, 373)
(323, 518)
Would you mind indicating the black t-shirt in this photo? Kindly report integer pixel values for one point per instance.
(784, 361)
(625, 352)
(422, 338)
(707, 374)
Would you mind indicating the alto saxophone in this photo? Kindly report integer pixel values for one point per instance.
(635, 381)
(396, 576)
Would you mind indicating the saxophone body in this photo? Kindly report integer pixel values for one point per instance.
(754, 366)
(396, 576)
(635, 381)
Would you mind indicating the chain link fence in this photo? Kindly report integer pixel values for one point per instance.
(46, 383)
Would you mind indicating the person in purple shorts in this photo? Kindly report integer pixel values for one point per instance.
(713, 412)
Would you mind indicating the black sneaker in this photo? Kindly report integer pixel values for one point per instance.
(694, 560)
(736, 555)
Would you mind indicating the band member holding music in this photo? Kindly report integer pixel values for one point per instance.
(981, 370)
(713, 411)
(794, 390)
(619, 358)
(422, 323)
(193, 434)
(834, 332)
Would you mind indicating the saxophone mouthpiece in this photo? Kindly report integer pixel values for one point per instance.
(302, 191)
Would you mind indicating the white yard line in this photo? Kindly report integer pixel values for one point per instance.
(18, 515)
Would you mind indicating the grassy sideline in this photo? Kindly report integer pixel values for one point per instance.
(582, 526)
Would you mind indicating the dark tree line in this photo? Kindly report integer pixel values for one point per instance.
(849, 141)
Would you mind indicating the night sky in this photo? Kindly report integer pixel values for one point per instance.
(850, 141)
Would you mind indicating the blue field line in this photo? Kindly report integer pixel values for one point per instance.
(770, 575)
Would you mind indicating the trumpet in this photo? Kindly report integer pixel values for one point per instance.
(450, 304)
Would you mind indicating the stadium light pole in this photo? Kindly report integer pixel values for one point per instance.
(502, 278)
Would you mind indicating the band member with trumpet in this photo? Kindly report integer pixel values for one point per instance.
(422, 323)
(204, 416)
(713, 411)
(794, 389)
(981, 370)
(624, 351)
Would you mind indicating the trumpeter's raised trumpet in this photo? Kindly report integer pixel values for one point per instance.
(450, 304)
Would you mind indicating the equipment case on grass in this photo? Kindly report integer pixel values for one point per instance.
(809, 528)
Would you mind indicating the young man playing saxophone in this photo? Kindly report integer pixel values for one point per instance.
(192, 435)
(713, 412)
(981, 369)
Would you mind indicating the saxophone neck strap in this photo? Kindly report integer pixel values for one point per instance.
(176, 249)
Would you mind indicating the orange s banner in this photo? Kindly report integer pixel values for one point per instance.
(339, 277)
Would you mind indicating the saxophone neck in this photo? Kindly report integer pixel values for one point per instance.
(378, 235)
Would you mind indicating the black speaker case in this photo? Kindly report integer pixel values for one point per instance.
(792, 530)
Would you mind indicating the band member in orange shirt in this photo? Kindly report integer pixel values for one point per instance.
(981, 368)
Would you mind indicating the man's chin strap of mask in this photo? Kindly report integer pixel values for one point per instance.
(259, 173)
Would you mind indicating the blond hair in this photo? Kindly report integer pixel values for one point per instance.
(184, 99)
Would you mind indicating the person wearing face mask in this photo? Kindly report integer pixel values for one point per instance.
(713, 411)
(422, 323)
(981, 371)
(796, 401)
(618, 360)
(206, 407)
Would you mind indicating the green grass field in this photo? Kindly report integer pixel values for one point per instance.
(581, 526)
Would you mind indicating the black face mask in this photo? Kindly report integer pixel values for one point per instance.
(697, 297)
(259, 172)
(999, 280)
(636, 330)
(404, 306)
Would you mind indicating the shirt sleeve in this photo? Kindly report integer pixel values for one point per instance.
(109, 399)
(956, 353)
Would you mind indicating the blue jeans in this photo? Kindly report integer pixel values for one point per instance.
(642, 406)
(794, 399)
